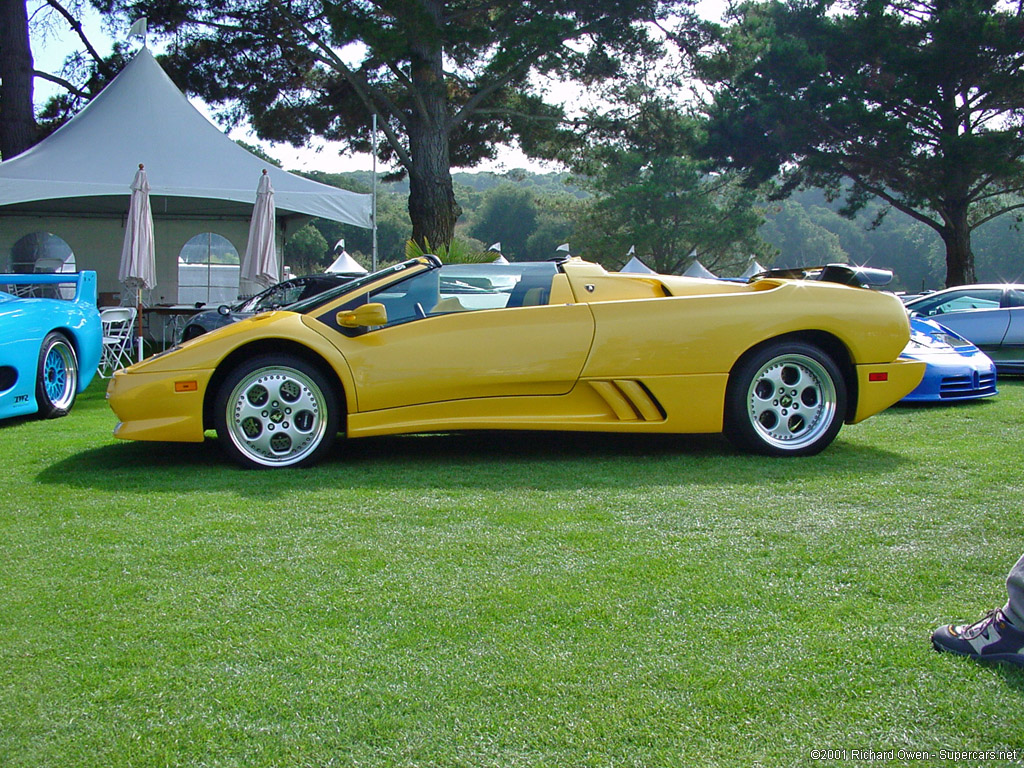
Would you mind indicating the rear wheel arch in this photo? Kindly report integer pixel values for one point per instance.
(788, 396)
(826, 342)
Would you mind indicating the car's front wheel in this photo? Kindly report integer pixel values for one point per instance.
(56, 376)
(787, 399)
(276, 411)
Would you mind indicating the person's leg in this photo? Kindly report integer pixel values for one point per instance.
(998, 635)
(1014, 609)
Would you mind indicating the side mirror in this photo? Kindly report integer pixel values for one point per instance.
(224, 309)
(363, 317)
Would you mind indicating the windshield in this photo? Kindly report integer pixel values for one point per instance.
(313, 302)
(963, 300)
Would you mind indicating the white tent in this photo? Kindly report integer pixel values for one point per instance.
(344, 263)
(193, 167)
(636, 266)
(696, 269)
(74, 185)
(752, 269)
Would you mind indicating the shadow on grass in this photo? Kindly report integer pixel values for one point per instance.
(482, 460)
(1013, 677)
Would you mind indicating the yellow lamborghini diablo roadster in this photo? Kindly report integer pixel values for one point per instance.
(776, 363)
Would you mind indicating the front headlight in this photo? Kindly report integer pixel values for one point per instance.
(954, 341)
(920, 342)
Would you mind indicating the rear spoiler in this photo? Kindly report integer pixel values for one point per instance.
(84, 282)
(844, 274)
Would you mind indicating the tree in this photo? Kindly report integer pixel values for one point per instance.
(84, 74)
(918, 102)
(801, 241)
(651, 194)
(554, 226)
(450, 80)
(17, 113)
(509, 216)
(307, 251)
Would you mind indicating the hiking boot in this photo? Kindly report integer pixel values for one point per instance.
(992, 638)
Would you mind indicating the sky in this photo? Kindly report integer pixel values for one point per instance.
(52, 42)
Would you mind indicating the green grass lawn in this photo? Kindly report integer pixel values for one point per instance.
(506, 599)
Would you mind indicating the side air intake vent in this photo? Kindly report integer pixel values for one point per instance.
(8, 377)
(629, 400)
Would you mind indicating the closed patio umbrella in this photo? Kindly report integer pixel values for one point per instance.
(259, 265)
(138, 257)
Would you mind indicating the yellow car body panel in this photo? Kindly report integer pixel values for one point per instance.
(162, 397)
(601, 352)
(591, 406)
(711, 332)
(895, 377)
(470, 354)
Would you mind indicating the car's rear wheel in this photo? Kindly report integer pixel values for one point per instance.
(787, 399)
(56, 376)
(276, 411)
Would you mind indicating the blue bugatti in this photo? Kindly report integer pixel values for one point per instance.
(957, 369)
(50, 342)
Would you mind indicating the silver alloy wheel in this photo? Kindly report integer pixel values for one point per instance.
(791, 401)
(56, 386)
(60, 374)
(276, 416)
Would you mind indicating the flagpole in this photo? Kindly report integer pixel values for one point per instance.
(374, 213)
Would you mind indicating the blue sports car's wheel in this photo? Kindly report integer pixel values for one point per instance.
(56, 376)
(787, 399)
(276, 411)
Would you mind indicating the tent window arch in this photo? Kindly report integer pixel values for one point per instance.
(40, 252)
(208, 268)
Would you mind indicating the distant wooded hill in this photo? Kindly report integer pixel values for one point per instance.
(805, 230)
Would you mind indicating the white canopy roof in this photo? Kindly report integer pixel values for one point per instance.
(696, 269)
(636, 266)
(752, 269)
(346, 265)
(141, 117)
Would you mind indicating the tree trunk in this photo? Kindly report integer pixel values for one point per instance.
(959, 257)
(17, 114)
(432, 205)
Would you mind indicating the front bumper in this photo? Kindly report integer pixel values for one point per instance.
(158, 406)
(951, 377)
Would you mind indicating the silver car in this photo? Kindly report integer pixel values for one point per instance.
(991, 316)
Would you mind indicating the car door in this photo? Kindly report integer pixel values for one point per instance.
(1013, 341)
(444, 346)
(976, 314)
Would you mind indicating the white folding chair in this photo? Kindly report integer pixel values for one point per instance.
(118, 329)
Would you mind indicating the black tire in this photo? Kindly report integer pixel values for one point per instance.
(56, 376)
(276, 411)
(786, 399)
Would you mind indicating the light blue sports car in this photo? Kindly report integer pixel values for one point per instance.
(49, 346)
